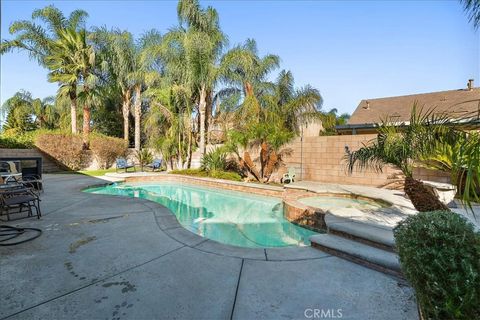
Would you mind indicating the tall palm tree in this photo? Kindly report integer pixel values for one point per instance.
(71, 61)
(130, 65)
(242, 67)
(37, 37)
(472, 7)
(282, 111)
(202, 41)
(168, 125)
(144, 74)
(45, 112)
(117, 49)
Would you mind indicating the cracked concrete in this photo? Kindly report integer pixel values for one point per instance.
(140, 264)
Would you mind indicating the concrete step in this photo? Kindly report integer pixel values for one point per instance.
(370, 234)
(370, 257)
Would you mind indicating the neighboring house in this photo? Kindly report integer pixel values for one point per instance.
(456, 104)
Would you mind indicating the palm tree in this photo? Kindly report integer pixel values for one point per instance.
(282, 111)
(472, 7)
(202, 42)
(117, 50)
(71, 61)
(130, 66)
(38, 40)
(45, 112)
(144, 73)
(403, 147)
(331, 119)
(241, 67)
(168, 123)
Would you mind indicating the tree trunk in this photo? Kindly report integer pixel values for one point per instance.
(263, 158)
(422, 199)
(202, 110)
(272, 161)
(126, 114)
(86, 124)
(248, 89)
(251, 165)
(138, 114)
(73, 111)
(208, 115)
(180, 151)
(189, 150)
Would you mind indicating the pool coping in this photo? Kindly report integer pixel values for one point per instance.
(265, 190)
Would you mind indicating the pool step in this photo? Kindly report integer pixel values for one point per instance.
(377, 236)
(363, 254)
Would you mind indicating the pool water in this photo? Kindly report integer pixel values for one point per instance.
(230, 217)
(330, 202)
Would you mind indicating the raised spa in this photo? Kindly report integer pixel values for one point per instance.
(330, 201)
(230, 217)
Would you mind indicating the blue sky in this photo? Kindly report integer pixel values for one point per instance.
(349, 50)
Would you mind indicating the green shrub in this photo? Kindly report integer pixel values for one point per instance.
(191, 172)
(214, 160)
(65, 148)
(226, 175)
(16, 139)
(217, 174)
(107, 149)
(144, 157)
(440, 256)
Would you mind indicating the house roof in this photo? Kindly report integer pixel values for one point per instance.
(454, 103)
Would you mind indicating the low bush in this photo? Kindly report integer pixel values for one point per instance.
(107, 149)
(65, 148)
(214, 160)
(226, 175)
(217, 174)
(16, 139)
(144, 157)
(440, 256)
(190, 172)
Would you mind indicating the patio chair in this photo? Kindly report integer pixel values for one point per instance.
(16, 199)
(28, 180)
(121, 163)
(156, 164)
(289, 177)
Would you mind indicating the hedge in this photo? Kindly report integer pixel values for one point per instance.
(107, 149)
(440, 255)
(217, 174)
(66, 148)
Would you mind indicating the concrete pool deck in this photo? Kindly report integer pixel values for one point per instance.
(121, 258)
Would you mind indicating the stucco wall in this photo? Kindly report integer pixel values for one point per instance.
(322, 160)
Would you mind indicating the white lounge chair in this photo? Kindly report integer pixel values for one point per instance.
(289, 177)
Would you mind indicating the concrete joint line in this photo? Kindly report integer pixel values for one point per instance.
(93, 283)
(236, 290)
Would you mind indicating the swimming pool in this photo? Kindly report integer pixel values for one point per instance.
(230, 217)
